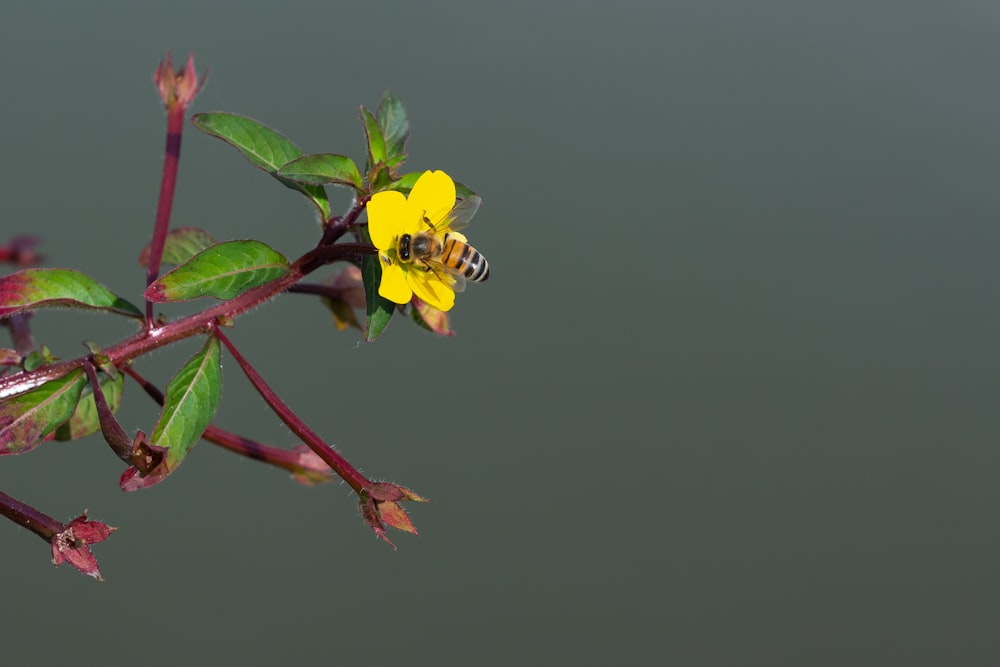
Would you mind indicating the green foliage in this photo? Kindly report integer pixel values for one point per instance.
(394, 126)
(406, 182)
(85, 420)
(191, 401)
(223, 271)
(262, 147)
(386, 133)
(378, 309)
(375, 140)
(181, 245)
(323, 168)
(50, 288)
(28, 419)
(38, 358)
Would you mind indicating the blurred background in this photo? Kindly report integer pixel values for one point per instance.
(728, 398)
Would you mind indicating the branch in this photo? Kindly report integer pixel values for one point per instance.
(304, 467)
(340, 465)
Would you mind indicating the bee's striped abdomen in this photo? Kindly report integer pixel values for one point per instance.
(465, 259)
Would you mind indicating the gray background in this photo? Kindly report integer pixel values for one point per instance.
(729, 397)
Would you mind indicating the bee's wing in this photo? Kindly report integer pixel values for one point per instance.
(458, 281)
(454, 279)
(458, 218)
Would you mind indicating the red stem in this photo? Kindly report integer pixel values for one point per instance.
(20, 333)
(168, 183)
(24, 515)
(113, 432)
(347, 472)
(336, 227)
(280, 458)
(203, 322)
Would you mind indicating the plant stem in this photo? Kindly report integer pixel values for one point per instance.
(281, 458)
(168, 184)
(198, 323)
(347, 472)
(24, 515)
(20, 333)
(336, 227)
(113, 432)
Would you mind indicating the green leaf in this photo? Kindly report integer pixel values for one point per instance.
(37, 358)
(323, 168)
(101, 360)
(223, 271)
(180, 245)
(394, 162)
(379, 309)
(85, 419)
(394, 125)
(26, 420)
(48, 288)
(406, 182)
(262, 147)
(376, 143)
(463, 191)
(190, 404)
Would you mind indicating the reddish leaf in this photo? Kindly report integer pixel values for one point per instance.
(27, 419)
(37, 288)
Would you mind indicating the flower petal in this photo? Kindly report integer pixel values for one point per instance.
(388, 213)
(429, 288)
(433, 195)
(393, 285)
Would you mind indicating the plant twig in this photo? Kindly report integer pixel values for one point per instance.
(340, 465)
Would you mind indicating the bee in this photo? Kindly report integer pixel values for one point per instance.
(438, 249)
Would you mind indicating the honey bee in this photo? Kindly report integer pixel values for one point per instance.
(439, 250)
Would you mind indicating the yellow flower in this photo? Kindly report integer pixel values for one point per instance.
(393, 217)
